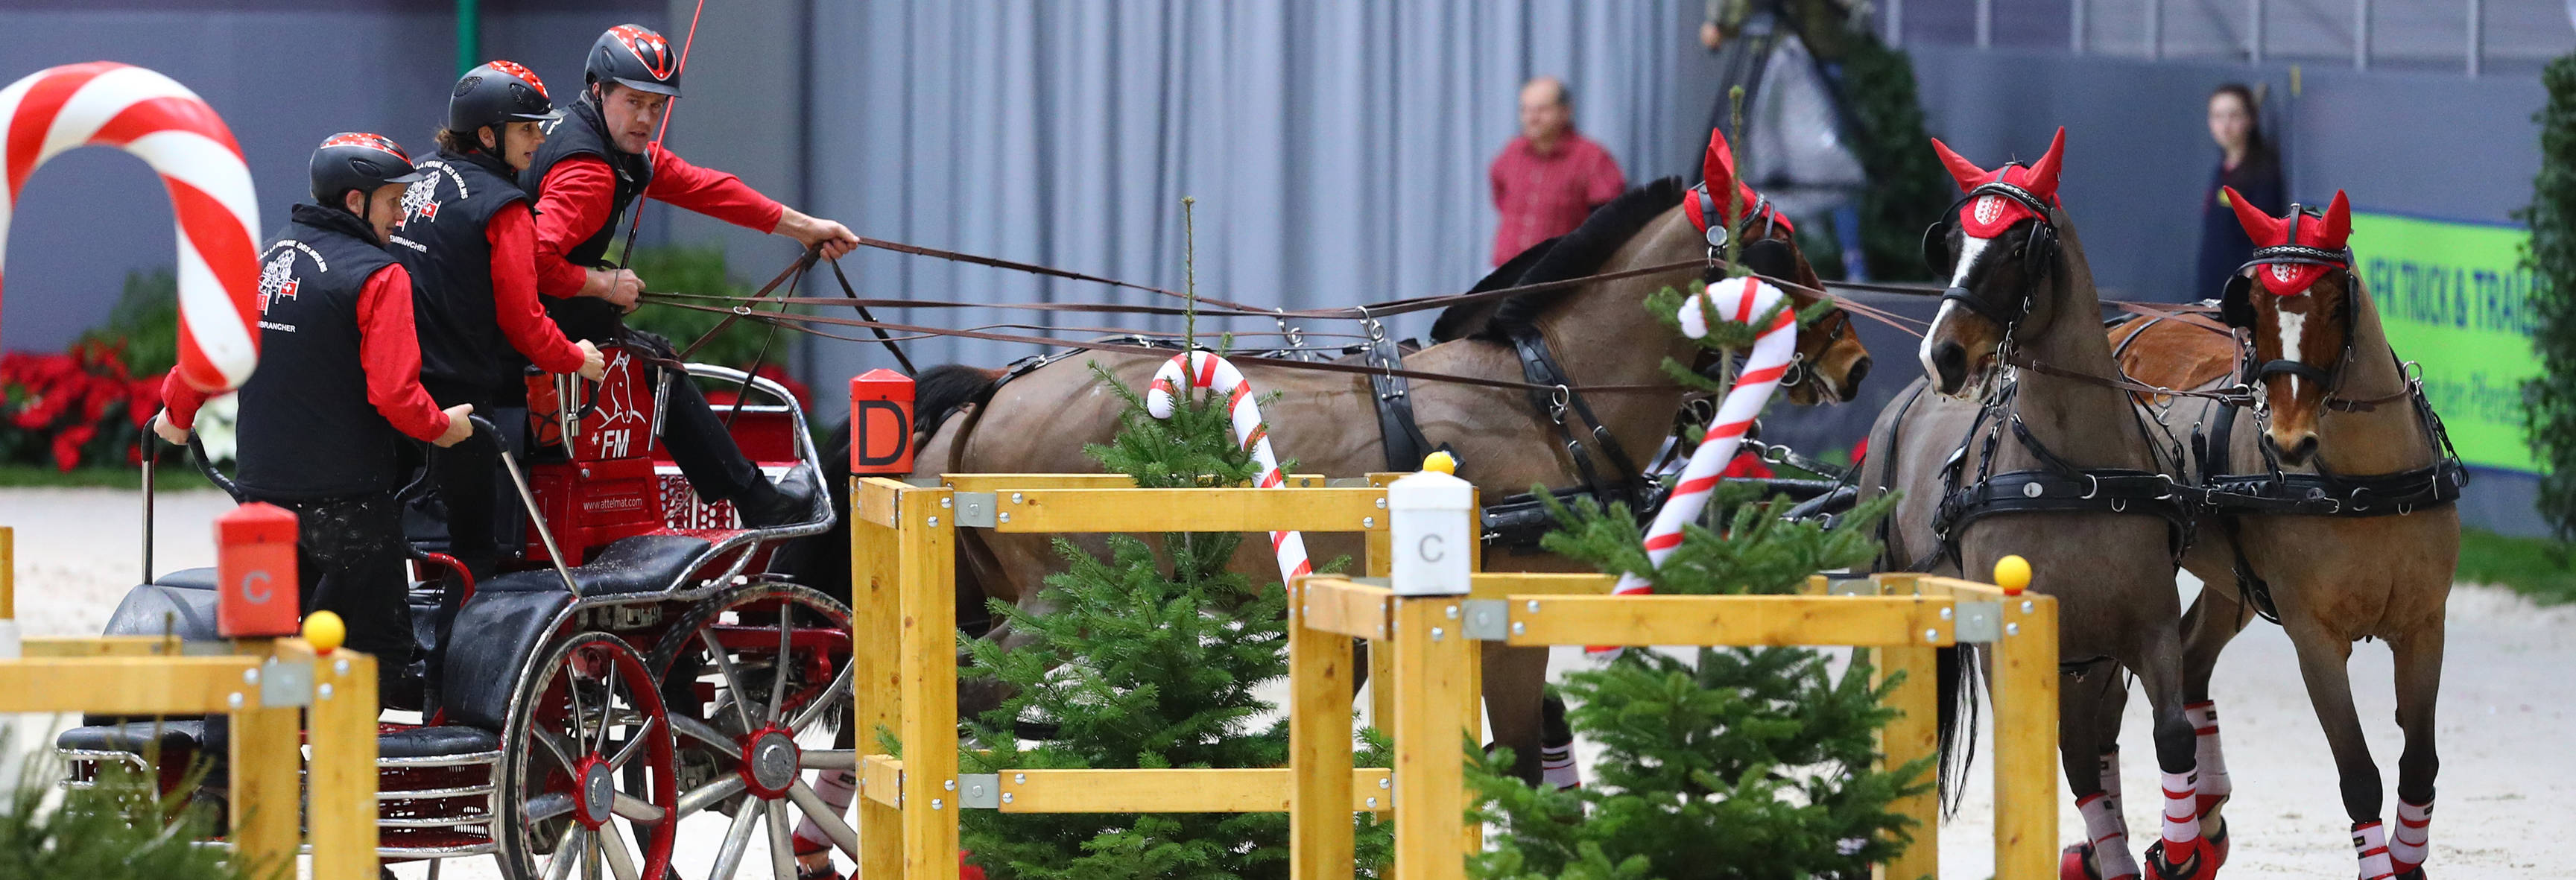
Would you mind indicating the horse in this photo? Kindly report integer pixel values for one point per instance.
(2369, 556)
(1598, 334)
(2015, 443)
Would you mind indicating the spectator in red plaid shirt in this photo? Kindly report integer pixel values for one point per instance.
(1548, 179)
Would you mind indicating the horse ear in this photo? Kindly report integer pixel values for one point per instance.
(2043, 176)
(2338, 222)
(1718, 167)
(1964, 171)
(2264, 229)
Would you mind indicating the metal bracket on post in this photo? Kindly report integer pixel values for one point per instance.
(285, 684)
(1978, 622)
(979, 791)
(976, 509)
(1486, 620)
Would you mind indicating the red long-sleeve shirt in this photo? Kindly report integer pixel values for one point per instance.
(1545, 195)
(513, 237)
(388, 350)
(574, 198)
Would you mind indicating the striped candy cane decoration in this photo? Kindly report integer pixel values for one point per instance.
(1204, 369)
(171, 129)
(1745, 299)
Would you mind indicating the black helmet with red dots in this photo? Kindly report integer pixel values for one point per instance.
(360, 161)
(496, 94)
(636, 57)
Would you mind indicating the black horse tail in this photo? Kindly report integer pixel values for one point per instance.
(1958, 670)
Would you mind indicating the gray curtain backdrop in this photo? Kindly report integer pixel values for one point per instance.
(1337, 150)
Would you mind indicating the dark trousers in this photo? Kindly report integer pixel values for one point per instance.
(350, 560)
(699, 442)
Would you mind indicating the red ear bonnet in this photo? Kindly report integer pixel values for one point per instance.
(1717, 172)
(1987, 216)
(2330, 233)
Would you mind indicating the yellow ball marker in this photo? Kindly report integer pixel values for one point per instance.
(1442, 462)
(2013, 574)
(325, 631)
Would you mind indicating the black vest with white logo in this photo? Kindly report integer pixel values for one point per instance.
(307, 430)
(581, 132)
(442, 243)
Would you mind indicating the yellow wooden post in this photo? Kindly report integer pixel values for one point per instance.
(343, 733)
(8, 573)
(2025, 694)
(1430, 759)
(1319, 748)
(925, 578)
(876, 633)
(1915, 733)
(1378, 559)
(266, 830)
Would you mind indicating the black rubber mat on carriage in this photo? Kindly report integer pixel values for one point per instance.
(137, 737)
(639, 564)
(494, 635)
(435, 742)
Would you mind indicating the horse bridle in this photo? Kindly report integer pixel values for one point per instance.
(1761, 212)
(2237, 309)
(2039, 253)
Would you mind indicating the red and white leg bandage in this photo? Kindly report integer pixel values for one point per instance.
(2109, 833)
(2413, 840)
(836, 788)
(2370, 843)
(2182, 817)
(2214, 786)
(2109, 765)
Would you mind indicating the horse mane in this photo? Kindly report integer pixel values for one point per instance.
(1573, 255)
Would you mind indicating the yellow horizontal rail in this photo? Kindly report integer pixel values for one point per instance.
(127, 685)
(102, 646)
(1499, 585)
(1025, 482)
(1184, 790)
(872, 500)
(1067, 511)
(1336, 605)
(881, 779)
(1628, 621)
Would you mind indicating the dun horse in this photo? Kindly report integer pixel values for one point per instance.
(1507, 440)
(2026, 449)
(2361, 557)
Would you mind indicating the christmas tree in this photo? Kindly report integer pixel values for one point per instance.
(1740, 763)
(1150, 659)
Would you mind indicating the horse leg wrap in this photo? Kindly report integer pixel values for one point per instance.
(2182, 814)
(2414, 829)
(836, 788)
(2369, 841)
(2109, 764)
(2109, 832)
(1556, 747)
(2214, 786)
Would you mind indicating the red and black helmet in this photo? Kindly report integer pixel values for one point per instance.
(636, 57)
(360, 161)
(496, 94)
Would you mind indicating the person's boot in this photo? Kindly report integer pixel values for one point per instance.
(790, 501)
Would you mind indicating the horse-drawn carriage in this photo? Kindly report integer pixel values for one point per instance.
(635, 663)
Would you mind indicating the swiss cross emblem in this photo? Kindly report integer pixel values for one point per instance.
(1988, 208)
(2282, 272)
(277, 280)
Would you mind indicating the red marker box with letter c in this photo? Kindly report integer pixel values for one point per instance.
(255, 583)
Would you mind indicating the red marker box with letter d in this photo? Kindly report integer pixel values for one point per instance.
(255, 590)
(881, 423)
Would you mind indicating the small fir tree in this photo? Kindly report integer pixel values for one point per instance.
(1150, 659)
(1754, 763)
(2549, 413)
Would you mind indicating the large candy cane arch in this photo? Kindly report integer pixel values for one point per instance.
(1744, 299)
(171, 129)
(1204, 369)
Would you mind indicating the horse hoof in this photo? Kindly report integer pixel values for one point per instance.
(2197, 864)
(2414, 873)
(2076, 863)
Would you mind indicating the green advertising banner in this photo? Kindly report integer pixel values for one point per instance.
(2455, 298)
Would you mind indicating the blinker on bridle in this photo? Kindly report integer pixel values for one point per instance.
(1717, 233)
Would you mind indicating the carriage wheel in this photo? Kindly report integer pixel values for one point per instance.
(759, 724)
(586, 776)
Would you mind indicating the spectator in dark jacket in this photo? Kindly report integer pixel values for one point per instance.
(2248, 163)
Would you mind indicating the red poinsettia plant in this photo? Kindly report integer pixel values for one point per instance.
(75, 408)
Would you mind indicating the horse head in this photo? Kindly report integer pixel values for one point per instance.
(1830, 361)
(2295, 294)
(1998, 247)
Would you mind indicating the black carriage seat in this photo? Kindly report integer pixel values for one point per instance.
(647, 563)
(189, 736)
(181, 603)
(136, 737)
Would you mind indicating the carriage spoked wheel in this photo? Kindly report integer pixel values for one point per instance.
(758, 679)
(587, 767)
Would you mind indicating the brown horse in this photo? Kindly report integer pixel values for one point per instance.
(1600, 334)
(2024, 451)
(2335, 403)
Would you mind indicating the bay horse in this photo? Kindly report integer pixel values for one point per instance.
(2014, 443)
(1600, 334)
(2364, 557)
